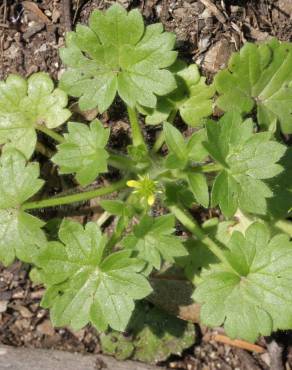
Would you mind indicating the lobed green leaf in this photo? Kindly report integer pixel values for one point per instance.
(253, 297)
(153, 241)
(192, 98)
(259, 76)
(117, 54)
(247, 159)
(83, 151)
(20, 233)
(25, 105)
(83, 285)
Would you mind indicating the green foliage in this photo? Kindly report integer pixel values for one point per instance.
(83, 151)
(243, 280)
(192, 98)
(84, 285)
(261, 76)
(152, 336)
(26, 105)
(20, 233)
(153, 241)
(252, 297)
(199, 256)
(246, 160)
(117, 54)
(181, 153)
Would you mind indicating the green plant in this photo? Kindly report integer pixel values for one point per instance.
(241, 267)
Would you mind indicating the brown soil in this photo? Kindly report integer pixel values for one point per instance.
(31, 32)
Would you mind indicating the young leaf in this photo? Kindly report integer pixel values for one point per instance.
(192, 98)
(20, 233)
(196, 150)
(255, 297)
(152, 240)
(85, 287)
(116, 53)
(175, 141)
(83, 151)
(199, 187)
(247, 159)
(259, 75)
(116, 207)
(27, 104)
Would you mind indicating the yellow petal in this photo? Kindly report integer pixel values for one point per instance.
(133, 184)
(151, 200)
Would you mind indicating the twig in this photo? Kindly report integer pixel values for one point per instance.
(214, 10)
(67, 15)
(5, 12)
(238, 343)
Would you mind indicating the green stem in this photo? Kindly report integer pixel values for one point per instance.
(159, 142)
(120, 162)
(73, 198)
(160, 139)
(54, 135)
(46, 152)
(190, 224)
(209, 167)
(117, 235)
(136, 131)
(284, 225)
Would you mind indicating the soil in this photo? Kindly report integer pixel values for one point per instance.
(31, 32)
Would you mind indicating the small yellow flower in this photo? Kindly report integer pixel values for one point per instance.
(145, 188)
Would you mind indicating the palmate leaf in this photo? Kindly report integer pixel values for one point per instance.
(117, 54)
(153, 241)
(247, 159)
(83, 286)
(83, 151)
(192, 98)
(27, 104)
(261, 76)
(20, 233)
(254, 298)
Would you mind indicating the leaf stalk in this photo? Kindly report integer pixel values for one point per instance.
(137, 135)
(190, 224)
(54, 135)
(74, 198)
(160, 139)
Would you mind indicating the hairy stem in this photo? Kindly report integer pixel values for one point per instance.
(73, 198)
(137, 136)
(54, 135)
(116, 236)
(120, 162)
(190, 224)
(209, 167)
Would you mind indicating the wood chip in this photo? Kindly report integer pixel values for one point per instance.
(214, 10)
(46, 328)
(3, 306)
(217, 56)
(32, 7)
